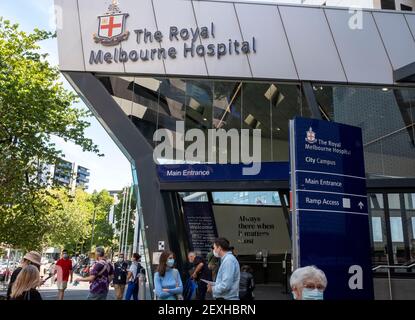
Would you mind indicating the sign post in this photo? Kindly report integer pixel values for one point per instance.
(330, 221)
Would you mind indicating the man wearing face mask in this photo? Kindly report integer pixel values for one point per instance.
(120, 276)
(63, 271)
(308, 283)
(226, 286)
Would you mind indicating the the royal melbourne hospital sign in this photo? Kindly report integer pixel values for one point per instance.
(116, 26)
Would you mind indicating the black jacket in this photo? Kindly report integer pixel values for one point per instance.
(120, 272)
(32, 294)
(246, 283)
(12, 280)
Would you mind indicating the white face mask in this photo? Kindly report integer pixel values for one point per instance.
(216, 254)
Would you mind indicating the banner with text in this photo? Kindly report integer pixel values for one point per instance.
(200, 226)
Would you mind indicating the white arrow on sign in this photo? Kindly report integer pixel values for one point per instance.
(361, 205)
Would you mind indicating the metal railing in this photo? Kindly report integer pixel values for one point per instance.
(389, 267)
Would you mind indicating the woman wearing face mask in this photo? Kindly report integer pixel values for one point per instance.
(308, 283)
(167, 281)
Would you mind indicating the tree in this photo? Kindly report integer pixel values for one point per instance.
(102, 229)
(72, 220)
(34, 107)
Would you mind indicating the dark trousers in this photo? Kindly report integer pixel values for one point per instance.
(246, 295)
(201, 290)
(132, 291)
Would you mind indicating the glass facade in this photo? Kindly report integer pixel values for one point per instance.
(386, 116)
(206, 104)
(259, 198)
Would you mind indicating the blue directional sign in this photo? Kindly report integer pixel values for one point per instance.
(272, 171)
(329, 206)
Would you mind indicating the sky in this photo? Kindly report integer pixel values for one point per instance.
(111, 172)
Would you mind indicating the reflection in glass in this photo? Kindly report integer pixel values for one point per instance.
(387, 120)
(396, 229)
(262, 198)
(377, 229)
(159, 103)
(194, 196)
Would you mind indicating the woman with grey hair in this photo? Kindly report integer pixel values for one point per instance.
(308, 283)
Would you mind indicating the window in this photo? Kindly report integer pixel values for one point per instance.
(260, 198)
(194, 196)
(159, 103)
(396, 229)
(387, 119)
(377, 229)
(388, 4)
(405, 7)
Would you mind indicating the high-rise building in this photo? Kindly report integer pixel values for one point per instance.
(82, 177)
(66, 174)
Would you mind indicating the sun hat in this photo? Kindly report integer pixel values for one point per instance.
(33, 257)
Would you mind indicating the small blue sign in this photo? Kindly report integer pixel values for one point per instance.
(330, 209)
(272, 171)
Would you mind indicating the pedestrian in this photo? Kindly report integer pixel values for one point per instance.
(100, 277)
(213, 263)
(132, 278)
(200, 271)
(24, 287)
(120, 276)
(30, 258)
(308, 283)
(246, 284)
(63, 271)
(227, 280)
(74, 261)
(167, 281)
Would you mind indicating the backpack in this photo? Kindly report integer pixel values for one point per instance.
(137, 276)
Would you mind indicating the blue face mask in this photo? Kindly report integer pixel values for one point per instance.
(312, 294)
(170, 263)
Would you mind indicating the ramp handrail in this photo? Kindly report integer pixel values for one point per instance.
(389, 267)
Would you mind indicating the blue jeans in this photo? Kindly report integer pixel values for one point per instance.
(132, 290)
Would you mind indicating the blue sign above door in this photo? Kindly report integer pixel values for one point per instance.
(271, 171)
(329, 205)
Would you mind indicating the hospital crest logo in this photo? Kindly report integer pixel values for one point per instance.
(111, 28)
(311, 136)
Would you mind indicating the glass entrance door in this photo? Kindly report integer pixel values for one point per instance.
(392, 221)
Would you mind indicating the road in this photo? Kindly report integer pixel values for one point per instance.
(80, 292)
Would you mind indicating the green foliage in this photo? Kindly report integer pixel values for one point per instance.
(34, 107)
(103, 232)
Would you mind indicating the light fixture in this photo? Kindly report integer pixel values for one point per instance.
(273, 94)
(385, 89)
